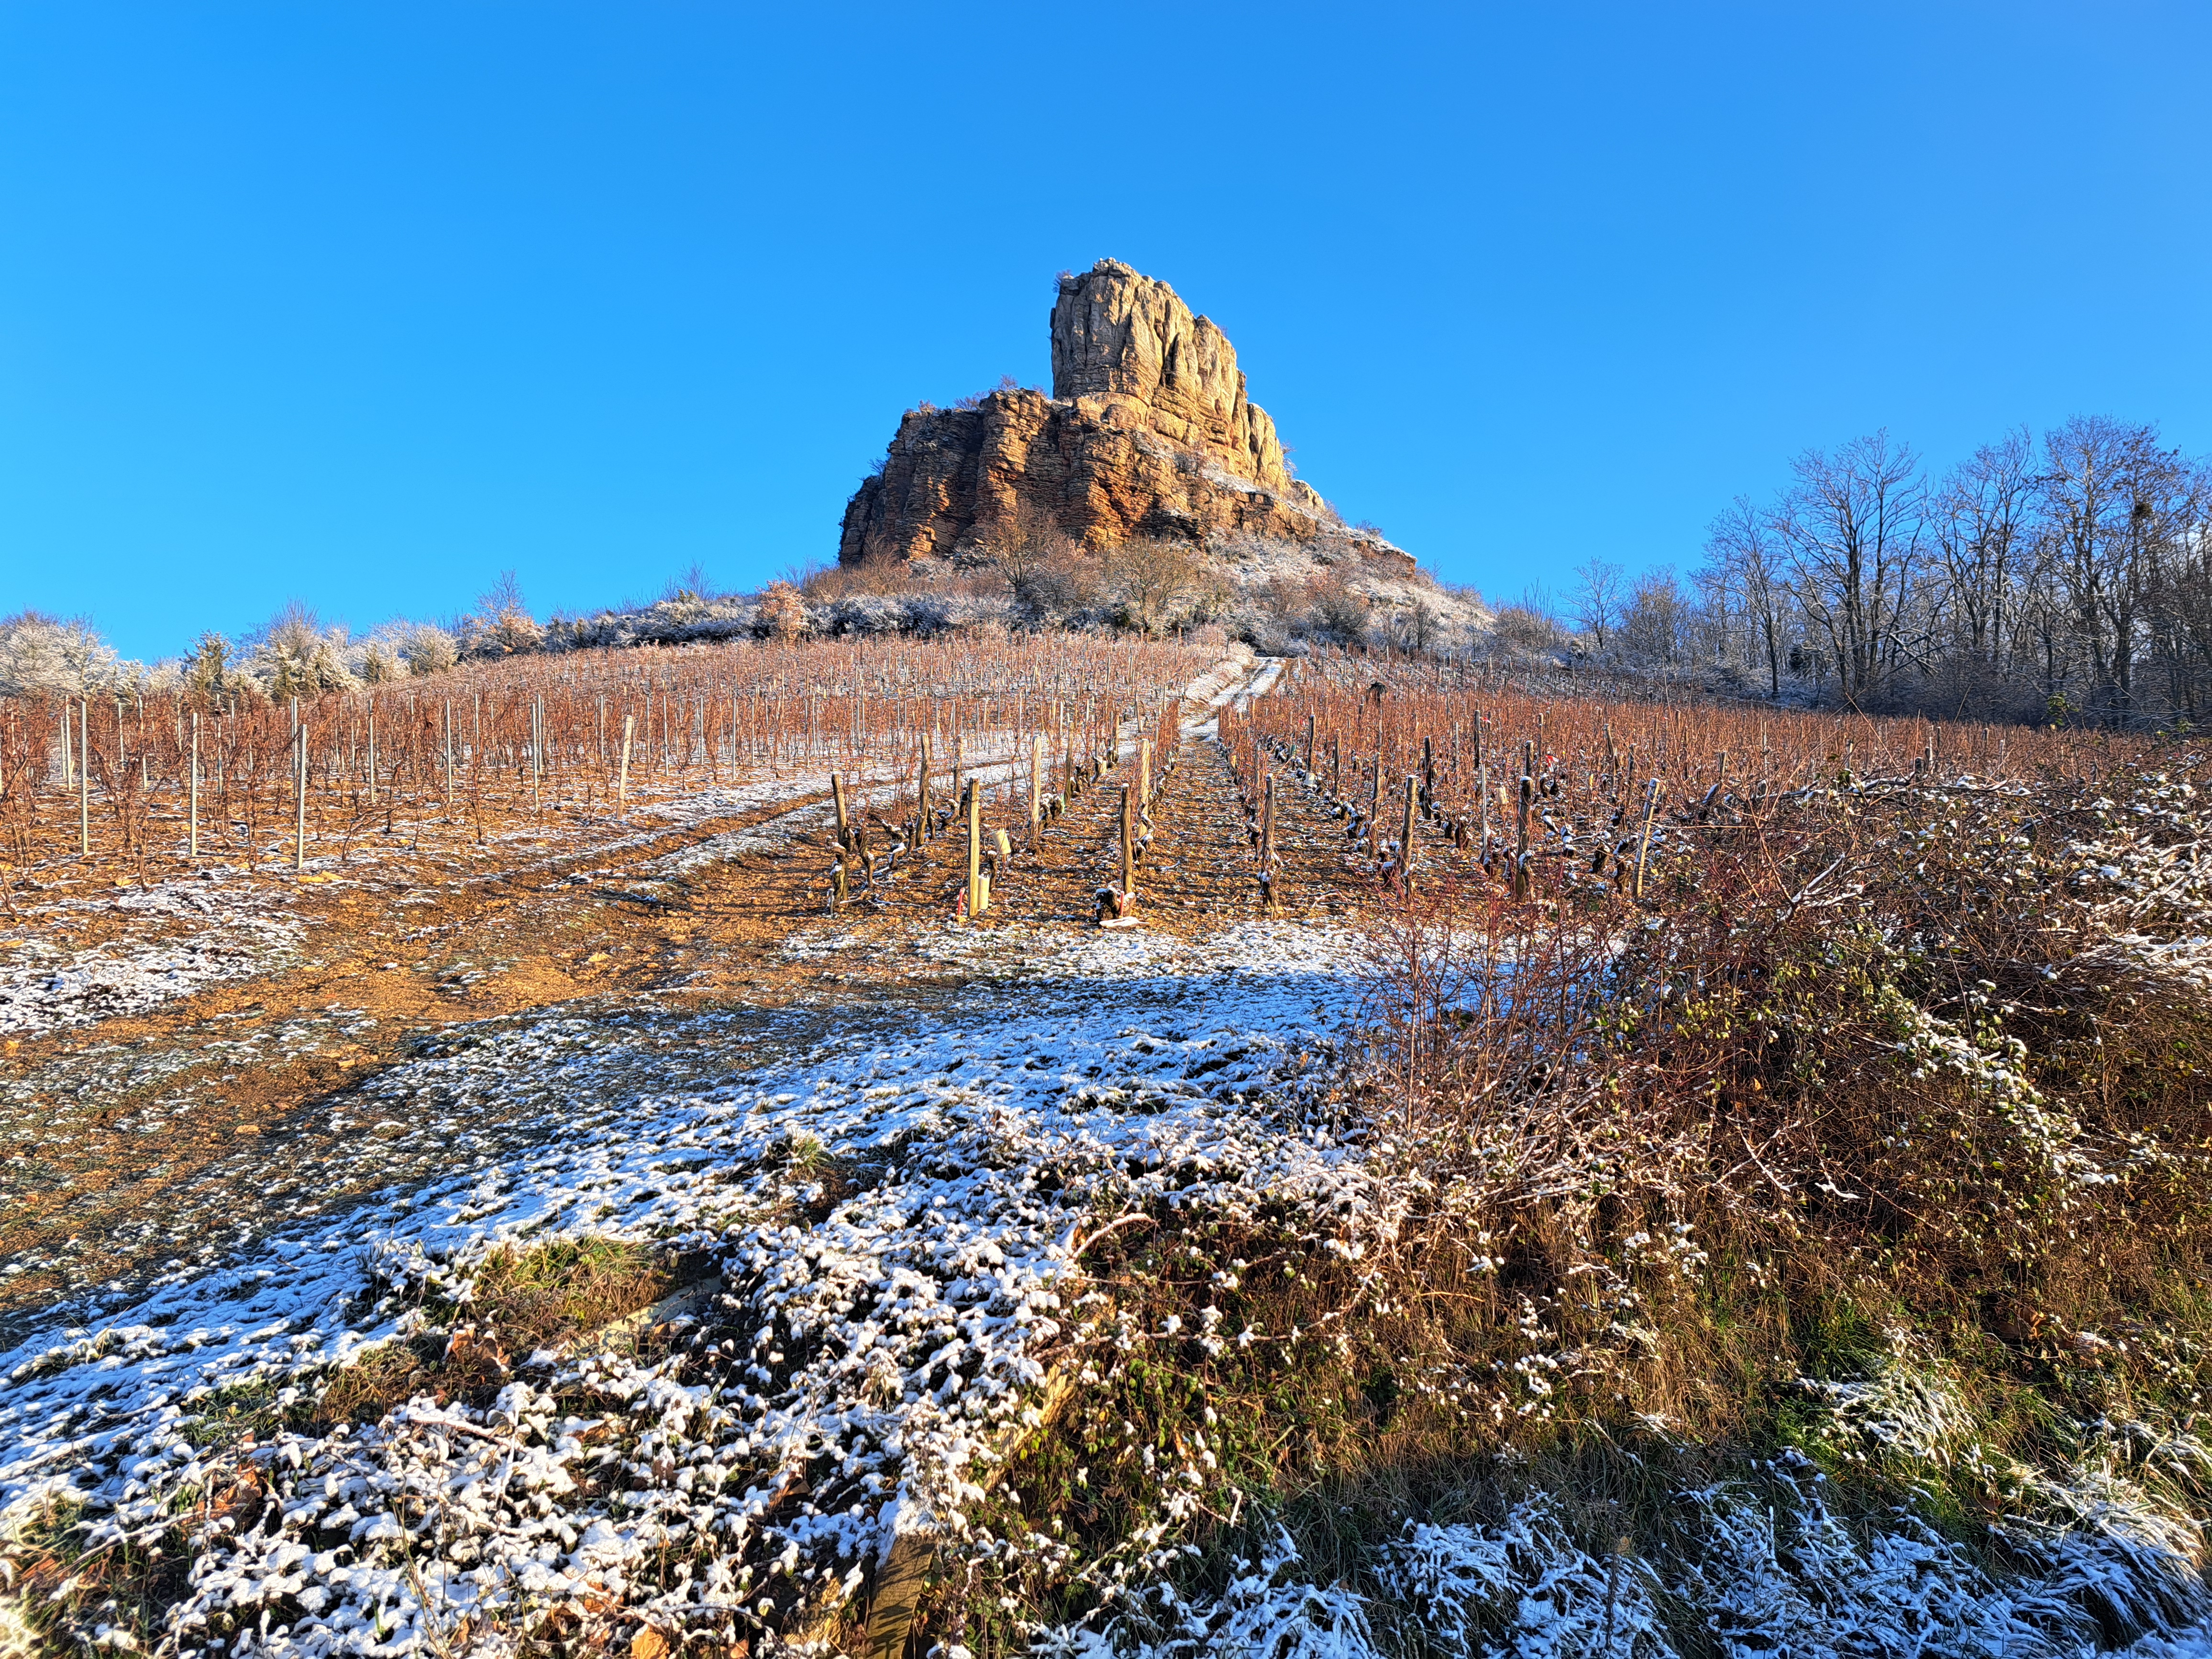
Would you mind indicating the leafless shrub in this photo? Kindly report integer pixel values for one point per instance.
(1524, 628)
(500, 625)
(1153, 576)
(1334, 611)
(782, 612)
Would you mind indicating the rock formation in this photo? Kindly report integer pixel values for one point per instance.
(1148, 432)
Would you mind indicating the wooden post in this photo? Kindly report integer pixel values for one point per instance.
(1428, 772)
(536, 747)
(1375, 800)
(300, 798)
(844, 830)
(1405, 847)
(192, 813)
(976, 901)
(1644, 845)
(83, 778)
(1482, 788)
(1310, 746)
(1144, 772)
(1129, 842)
(371, 752)
(621, 776)
(921, 794)
(1036, 788)
(1521, 872)
(1268, 843)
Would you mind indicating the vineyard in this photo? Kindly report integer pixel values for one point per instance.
(1064, 1145)
(152, 782)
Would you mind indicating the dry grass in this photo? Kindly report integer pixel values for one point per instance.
(1855, 1081)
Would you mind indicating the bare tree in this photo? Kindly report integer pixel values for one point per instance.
(2073, 577)
(2098, 474)
(501, 624)
(2169, 527)
(1597, 600)
(1153, 575)
(1740, 547)
(1026, 543)
(1853, 527)
(1980, 523)
(692, 586)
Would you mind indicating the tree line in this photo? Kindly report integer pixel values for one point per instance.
(2066, 579)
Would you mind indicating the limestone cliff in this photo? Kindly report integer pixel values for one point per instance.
(1148, 431)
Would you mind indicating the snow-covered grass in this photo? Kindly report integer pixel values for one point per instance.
(887, 1338)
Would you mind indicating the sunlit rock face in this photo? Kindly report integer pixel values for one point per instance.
(1128, 346)
(1148, 431)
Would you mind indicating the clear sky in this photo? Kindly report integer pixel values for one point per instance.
(361, 304)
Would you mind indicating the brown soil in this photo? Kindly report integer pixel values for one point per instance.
(132, 1142)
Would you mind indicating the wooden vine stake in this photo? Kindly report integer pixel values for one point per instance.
(979, 884)
(1268, 843)
(1406, 846)
(1482, 787)
(1644, 845)
(621, 776)
(841, 874)
(1036, 789)
(1119, 909)
(1521, 879)
(921, 794)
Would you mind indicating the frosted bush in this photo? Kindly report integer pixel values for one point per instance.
(41, 657)
(295, 657)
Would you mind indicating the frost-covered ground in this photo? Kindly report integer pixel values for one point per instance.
(227, 924)
(903, 1325)
(897, 1205)
(897, 1209)
(188, 933)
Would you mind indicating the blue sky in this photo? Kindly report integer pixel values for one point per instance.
(360, 305)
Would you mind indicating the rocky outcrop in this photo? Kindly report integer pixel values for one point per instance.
(1129, 348)
(1148, 431)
